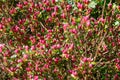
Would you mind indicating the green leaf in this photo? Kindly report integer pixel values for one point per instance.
(3, 0)
(13, 56)
(117, 23)
(92, 4)
(20, 64)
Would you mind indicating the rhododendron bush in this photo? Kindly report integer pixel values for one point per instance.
(59, 40)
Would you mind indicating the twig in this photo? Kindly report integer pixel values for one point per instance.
(100, 45)
(103, 10)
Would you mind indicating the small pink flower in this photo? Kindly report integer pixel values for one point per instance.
(56, 8)
(73, 73)
(65, 26)
(1, 47)
(46, 66)
(53, 14)
(116, 77)
(91, 65)
(20, 60)
(86, 1)
(35, 77)
(85, 19)
(25, 56)
(15, 78)
(9, 19)
(32, 47)
(53, 1)
(119, 54)
(1, 26)
(109, 5)
(84, 72)
(28, 69)
(79, 5)
(74, 31)
(16, 51)
(84, 59)
(102, 20)
(56, 60)
(20, 5)
(25, 3)
(66, 56)
(63, 16)
(68, 7)
(26, 48)
(36, 66)
(118, 66)
(73, 22)
(15, 28)
(88, 23)
(12, 11)
(0, 50)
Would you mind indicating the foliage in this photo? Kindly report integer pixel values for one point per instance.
(60, 39)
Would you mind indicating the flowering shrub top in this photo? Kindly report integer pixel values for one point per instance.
(60, 40)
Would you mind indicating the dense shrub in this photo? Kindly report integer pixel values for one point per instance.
(60, 40)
